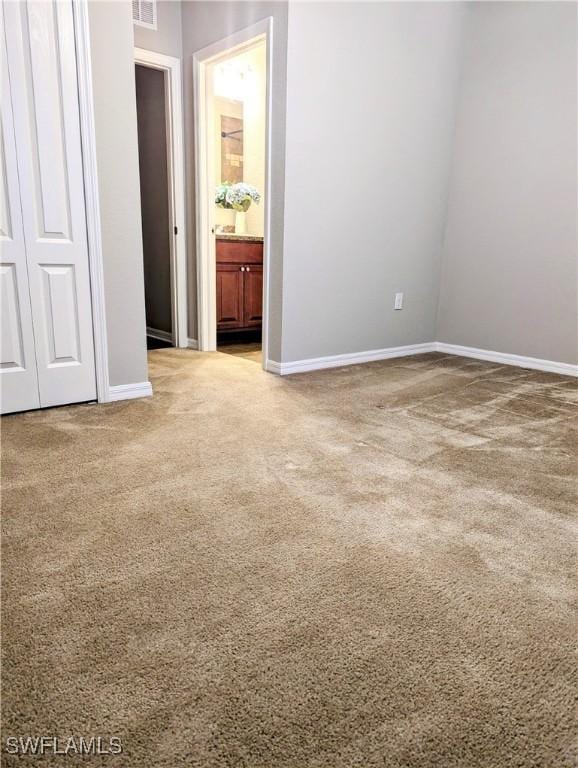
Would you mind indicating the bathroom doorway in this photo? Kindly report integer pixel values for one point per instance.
(232, 89)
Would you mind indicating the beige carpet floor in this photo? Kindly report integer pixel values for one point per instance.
(366, 566)
(249, 351)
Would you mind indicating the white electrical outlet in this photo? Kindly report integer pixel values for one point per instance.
(398, 301)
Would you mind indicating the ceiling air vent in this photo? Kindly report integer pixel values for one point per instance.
(144, 13)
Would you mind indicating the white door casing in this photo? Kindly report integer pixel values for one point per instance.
(206, 274)
(171, 68)
(19, 381)
(42, 70)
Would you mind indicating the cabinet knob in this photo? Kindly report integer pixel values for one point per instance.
(242, 269)
(248, 269)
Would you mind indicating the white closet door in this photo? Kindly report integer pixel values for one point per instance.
(42, 68)
(18, 379)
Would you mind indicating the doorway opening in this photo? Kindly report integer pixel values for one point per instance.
(158, 102)
(232, 91)
(237, 86)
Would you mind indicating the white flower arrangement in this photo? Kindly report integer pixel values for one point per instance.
(236, 196)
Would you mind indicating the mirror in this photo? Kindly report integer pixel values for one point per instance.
(231, 148)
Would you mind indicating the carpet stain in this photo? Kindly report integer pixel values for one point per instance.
(358, 567)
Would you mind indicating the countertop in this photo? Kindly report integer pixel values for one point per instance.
(238, 238)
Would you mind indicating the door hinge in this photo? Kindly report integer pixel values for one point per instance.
(176, 230)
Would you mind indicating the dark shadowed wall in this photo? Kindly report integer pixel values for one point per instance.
(152, 149)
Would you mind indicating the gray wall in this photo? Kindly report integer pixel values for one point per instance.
(510, 279)
(205, 23)
(154, 196)
(371, 96)
(111, 38)
(167, 37)
(370, 131)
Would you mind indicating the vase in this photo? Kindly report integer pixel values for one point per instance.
(224, 220)
(240, 223)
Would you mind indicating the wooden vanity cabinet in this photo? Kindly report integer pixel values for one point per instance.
(239, 284)
(229, 297)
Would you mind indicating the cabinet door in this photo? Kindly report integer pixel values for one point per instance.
(42, 72)
(229, 296)
(18, 378)
(253, 296)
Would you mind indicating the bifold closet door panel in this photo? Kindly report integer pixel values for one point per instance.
(42, 68)
(18, 379)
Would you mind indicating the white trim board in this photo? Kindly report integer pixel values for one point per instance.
(535, 363)
(171, 67)
(130, 391)
(144, 389)
(154, 333)
(356, 358)
(351, 358)
(91, 196)
(166, 336)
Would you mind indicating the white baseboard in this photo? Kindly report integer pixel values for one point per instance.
(154, 333)
(352, 358)
(355, 358)
(550, 366)
(192, 344)
(272, 366)
(130, 391)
